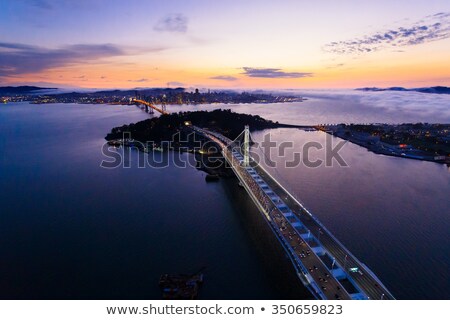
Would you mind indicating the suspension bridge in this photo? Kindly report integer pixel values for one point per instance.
(324, 265)
(149, 106)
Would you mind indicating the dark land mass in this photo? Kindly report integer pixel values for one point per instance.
(174, 131)
(21, 90)
(436, 89)
(163, 128)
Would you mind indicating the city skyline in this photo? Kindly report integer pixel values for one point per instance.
(267, 45)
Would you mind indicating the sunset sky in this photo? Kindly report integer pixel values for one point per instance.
(225, 44)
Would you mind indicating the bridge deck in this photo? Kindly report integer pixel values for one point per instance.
(365, 279)
(295, 227)
(316, 276)
(150, 105)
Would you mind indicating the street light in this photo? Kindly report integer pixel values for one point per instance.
(334, 261)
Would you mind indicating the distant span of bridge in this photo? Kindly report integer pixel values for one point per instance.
(149, 106)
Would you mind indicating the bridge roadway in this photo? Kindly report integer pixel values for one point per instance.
(320, 279)
(366, 280)
(148, 104)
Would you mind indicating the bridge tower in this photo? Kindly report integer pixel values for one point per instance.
(163, 103)
(246, 146)
(152, 101)
(146, 107)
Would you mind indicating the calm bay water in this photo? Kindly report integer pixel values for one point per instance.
(70, 229)
(391, 213)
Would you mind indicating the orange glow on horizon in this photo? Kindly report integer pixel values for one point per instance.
(407, 75)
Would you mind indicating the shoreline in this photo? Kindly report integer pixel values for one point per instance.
(379, 149)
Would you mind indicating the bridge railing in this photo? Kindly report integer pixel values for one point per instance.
(269, 208)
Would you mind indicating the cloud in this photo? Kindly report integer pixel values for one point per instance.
(410, 106)
(175, 84)
(19, 58)
(172, 23)
(140, 80)
(431, 28)
(225, 78)
(352, 106)
(16, 58)
(273, 73)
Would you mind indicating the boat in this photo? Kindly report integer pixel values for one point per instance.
(180, 286)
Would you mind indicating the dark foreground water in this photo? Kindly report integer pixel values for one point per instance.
(70, 229)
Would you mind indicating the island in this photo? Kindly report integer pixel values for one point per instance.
(175, 132)
(164, 127)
